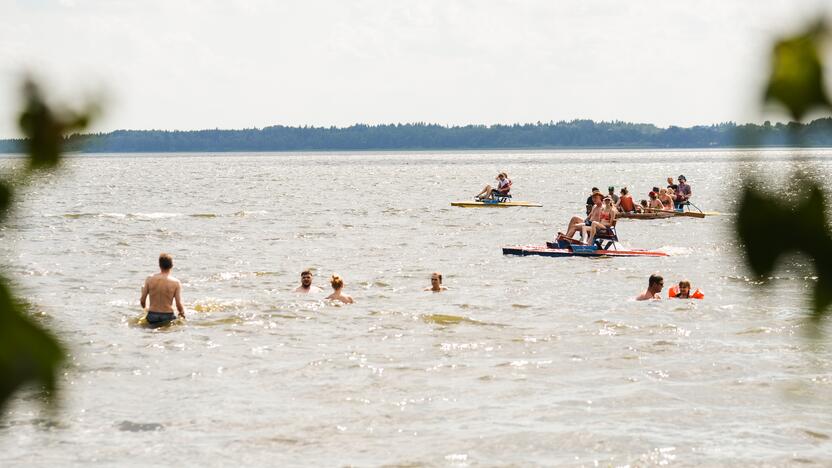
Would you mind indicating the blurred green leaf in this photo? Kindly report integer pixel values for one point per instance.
(45, 128)
(27, 353)
(5, 199)
(770, 228)
(796, 79)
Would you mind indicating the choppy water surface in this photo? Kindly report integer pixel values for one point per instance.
(522, 361)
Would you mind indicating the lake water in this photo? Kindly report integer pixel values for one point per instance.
(523, 361)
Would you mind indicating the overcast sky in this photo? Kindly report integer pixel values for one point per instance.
(171, 64)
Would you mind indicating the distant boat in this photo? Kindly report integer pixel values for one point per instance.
(495, 204)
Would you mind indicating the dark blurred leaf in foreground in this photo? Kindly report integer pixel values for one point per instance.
(28, 354)
(796, 80)
(45, 128)
(770, 227)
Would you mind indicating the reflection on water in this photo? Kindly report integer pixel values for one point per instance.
(522, 361)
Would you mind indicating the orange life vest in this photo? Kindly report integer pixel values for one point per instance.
(674, 292)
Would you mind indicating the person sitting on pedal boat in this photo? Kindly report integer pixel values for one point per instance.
(590, 201)
(577, 224)
(490, 193)
(606, 219)
(683, 192)
(625, 201)
(654, 203)
(667, 201)
(671, 185)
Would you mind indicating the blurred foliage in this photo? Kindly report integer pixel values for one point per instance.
(44, 128)
(796, 80)
(793, 220)
(29, 354)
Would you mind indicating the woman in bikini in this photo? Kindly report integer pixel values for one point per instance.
(654, 203)
(666, 199)
(606, 220)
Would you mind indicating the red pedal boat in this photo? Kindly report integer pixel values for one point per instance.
(603, 246)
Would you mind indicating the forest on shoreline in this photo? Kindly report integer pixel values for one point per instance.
(423, 136)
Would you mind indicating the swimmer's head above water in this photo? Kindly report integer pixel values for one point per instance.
(306, 278)
(336, 282)
(684, 289)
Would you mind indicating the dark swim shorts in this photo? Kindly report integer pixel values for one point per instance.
(159, 318)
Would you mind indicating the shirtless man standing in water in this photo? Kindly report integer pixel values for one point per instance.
(163, 289)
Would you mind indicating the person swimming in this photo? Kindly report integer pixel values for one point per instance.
(306, 285)
(682, 291)
(654, 288)
(436, 282)
(337, 285)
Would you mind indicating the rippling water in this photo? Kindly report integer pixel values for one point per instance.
(522, 361)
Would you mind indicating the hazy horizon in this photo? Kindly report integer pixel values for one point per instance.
(191, 65)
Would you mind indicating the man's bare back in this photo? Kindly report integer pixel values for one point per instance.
(163, 290)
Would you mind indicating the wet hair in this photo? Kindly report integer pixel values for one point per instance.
(595, 189)
(437, 274)
(685, 283)
(305, 272)
(624, 191)
(336, 282)
(654, 279)
(643, 202)
(165, 261)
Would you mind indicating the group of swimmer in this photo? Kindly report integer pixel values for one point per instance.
(161, 291)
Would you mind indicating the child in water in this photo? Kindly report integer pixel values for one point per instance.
(682, 291)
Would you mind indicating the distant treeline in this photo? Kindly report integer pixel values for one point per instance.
(421, 136)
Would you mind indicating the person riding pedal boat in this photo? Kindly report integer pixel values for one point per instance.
(580, 225)
(625, 201)
(654, 203)
(606, 219)
(490, 193)
(683, 192)
(666, 199)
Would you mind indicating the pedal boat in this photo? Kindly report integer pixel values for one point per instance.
(499, 202)
(565, 247)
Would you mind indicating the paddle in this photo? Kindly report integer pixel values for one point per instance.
(692, 214)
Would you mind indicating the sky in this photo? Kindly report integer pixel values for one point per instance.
(195, 64)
